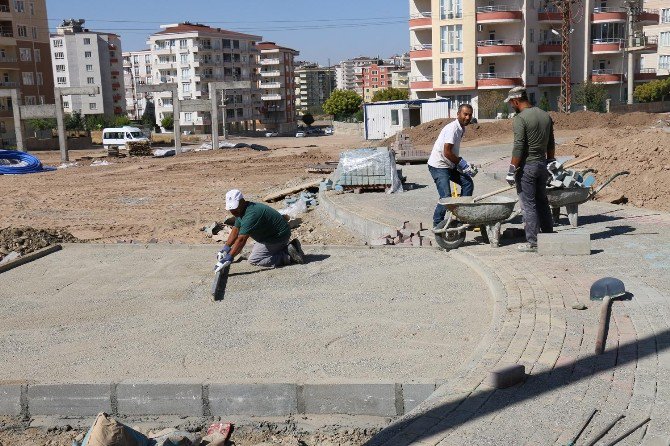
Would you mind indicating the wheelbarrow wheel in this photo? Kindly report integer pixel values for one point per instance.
(449, 241)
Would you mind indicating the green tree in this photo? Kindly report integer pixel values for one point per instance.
(308, 119)
(40, 125)
(74, 121)
(343, 103)
(592, 96)
(390, 94)
(652, 91)
(95, 122)
(149, 115)
(121, 121)
(544, 104)
(490, 103)
(167, 122)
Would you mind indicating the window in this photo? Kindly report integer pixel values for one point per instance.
(137, 71)
(61, 80)
(665, 15)
(451, 9)
(183, 43)
(90, 80)
(34, 32)
(19, 6)
(186, 88)
(89, 67)
(59, 55)
(40, 78)
(374, 79)
(58, 43)
(32, 8)
(226, 43)
(664, 62)
(531, 67)
(60, 68)
(147, 59)
(28, 79)
(452, 38)
(30, 100)
(665, 39)
(183, 58)
(236, 44)
(452, 71)
(185, 73)
(38, 55)
(66, 104)
(23, 31)
(25, 54)
(147, 70)
(42, 100)
(395, 118)
(92, 106)
(87, 41)
(88, 54)
(188, 117)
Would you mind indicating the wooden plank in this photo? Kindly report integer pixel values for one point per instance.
(30, 257)
(271, 198)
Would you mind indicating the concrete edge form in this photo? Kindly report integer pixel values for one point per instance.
(81, 400)
(30, 257)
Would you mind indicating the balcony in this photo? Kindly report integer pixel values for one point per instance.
(645, 75)
(265, 62)
(8, 63)
(499, 14)
(549, 15)
(606, 77)
(271, 97)
(7, 37)
(606, 46)
(644, 44)
(8, 84)
(421, 82)
(421, 20)
(274, 73)
(608, 15)
(270, 85)
(549, 48)
(496, 48)
(549, 79)
(494, 81)
(649, 17)
(421, 51)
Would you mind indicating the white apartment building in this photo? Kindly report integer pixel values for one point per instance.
(345, 72)
(314, 84)
(658, 63)
(137, 70)
(277, 86)
(461, 49)
(81, 57)
(193, 55)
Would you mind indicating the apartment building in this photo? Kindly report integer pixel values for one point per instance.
(81, 57)
(314, 84)
(24, 59)
(192, 55)
(658, 63)
(277, 86)
(372, 78)
(400, 79)
(137, 70)
(462, 49)
(346, 71)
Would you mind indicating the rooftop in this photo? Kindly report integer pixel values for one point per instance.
(187, 27)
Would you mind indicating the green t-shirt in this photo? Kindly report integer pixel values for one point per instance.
(533, 135)
(263, 224)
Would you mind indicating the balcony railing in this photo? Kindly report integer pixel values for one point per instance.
(7, 59)
(4, 8)
(421, 15)
(269, 61)
(270, 85)
(422, 46)
(6, 34)
(8, 84)
(498, 42)
(421, 79)
(646, 71)
(550, 74)
(270, 73)
(498, 8)
(602, 71)
(271, 97)
(481, 76)
(602, 9)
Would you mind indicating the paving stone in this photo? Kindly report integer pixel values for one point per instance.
(253, 399)
(74, 400)
(414, 394)
(351, 399)
(160, 399)
(564, 244)
(10, 400)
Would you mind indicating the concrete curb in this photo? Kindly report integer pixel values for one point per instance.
(211, 399)
(30, 257)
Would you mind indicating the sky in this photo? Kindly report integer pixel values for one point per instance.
(319, 29)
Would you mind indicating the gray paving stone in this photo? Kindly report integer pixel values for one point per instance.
(351, 399)
(564, 244)
(10, 400)
(253, 399)
(75, 400)
(414, 394)
(160, 399)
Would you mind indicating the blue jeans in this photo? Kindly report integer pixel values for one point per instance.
(531, 185)
(442, 178)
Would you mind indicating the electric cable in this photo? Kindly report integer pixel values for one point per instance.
(13, 162)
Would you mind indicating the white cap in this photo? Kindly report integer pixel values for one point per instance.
(515, 93)
(233, 198)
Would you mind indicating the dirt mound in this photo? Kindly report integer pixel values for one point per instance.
(25, 240)
(645, 153)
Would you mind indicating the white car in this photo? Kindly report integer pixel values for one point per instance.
(117, 137)
(271, 134)
(300, 134)
(328, 131)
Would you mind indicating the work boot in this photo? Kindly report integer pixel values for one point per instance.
(527, 247)
(295, 251)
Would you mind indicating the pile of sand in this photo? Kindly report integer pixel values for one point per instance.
(645, 153)
(24, 240)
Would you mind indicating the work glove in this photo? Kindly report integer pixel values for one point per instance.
(465, 168)
(225, 249)
(552, 165)
(511, 173)
(224, 259)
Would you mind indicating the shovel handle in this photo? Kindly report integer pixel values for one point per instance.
(581, 160)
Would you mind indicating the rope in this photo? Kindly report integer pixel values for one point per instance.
(13, 162)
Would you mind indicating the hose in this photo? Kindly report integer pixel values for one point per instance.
(13, 162)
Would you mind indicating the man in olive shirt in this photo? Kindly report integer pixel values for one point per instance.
(534, 148)
(267, 227)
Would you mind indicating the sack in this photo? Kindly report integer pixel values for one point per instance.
(107, 431)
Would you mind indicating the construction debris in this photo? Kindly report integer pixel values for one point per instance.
(368, 169)
(271, 198)
(409, 235)
(139, 148)
(24, 240)
(562, 178)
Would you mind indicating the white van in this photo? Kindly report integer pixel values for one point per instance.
(117, 137)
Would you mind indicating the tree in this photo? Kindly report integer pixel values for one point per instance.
(652, 91)
(490, 103)
(592, 96)
(149, 115)
(544, 104)
(342, 103)
(95, 122)
(121, 121)
(40, 125)
(308, 119)
(390, 94)
(74, 121)
(167, 122)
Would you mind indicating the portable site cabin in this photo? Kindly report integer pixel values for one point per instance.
(384, 119)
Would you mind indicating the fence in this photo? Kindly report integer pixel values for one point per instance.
(646, 107)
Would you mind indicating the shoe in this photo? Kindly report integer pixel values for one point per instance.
(295, 252)
(527, 247)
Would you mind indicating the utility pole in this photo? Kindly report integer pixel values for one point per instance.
(634, 10)
(565, 7)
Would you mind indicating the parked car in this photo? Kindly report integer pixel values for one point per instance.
(328, 131)
(271, 134)
(117, 137)
(300, 134)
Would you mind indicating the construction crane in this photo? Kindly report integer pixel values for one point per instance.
(572, 11)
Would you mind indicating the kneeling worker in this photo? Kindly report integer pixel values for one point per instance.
(267, 227)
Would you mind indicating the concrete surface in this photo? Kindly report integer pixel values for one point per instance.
(109, 313)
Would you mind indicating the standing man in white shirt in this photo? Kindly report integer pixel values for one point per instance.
(446, 165)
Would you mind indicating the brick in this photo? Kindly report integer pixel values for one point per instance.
(414, 394)
(160, 399)
(253, 399)
(506, 376)
(10, 400)
(350, 399)
(565, 244)
(76, 400)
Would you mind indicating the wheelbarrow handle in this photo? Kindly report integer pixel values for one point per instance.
(609, 180)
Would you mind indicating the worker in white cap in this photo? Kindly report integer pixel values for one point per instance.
(534, 148)
(266, 227)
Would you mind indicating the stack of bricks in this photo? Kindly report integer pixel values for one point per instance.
(366, 167)
(403, 147)
(409, 235)
(139, 148)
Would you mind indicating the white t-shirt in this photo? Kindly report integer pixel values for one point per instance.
(452, 133)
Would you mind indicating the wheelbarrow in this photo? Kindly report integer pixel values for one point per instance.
(571, 198)
(487, 213)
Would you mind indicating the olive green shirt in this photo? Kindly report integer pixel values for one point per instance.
(263, 224)
(533, 135)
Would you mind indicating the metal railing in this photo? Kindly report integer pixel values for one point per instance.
(603, 71)
(421, 15)
(550, 42)
(4, 8)
(7, 59)
(607, 40)
(546, 9)
(6, 34)
(498, 42)
(421, 79)
(549, 74)
(599, 9)
(646, 71)
(270, 85)
(498, 8)
(482, 76)
(8, 84)
(269, 61)
(422, 46)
